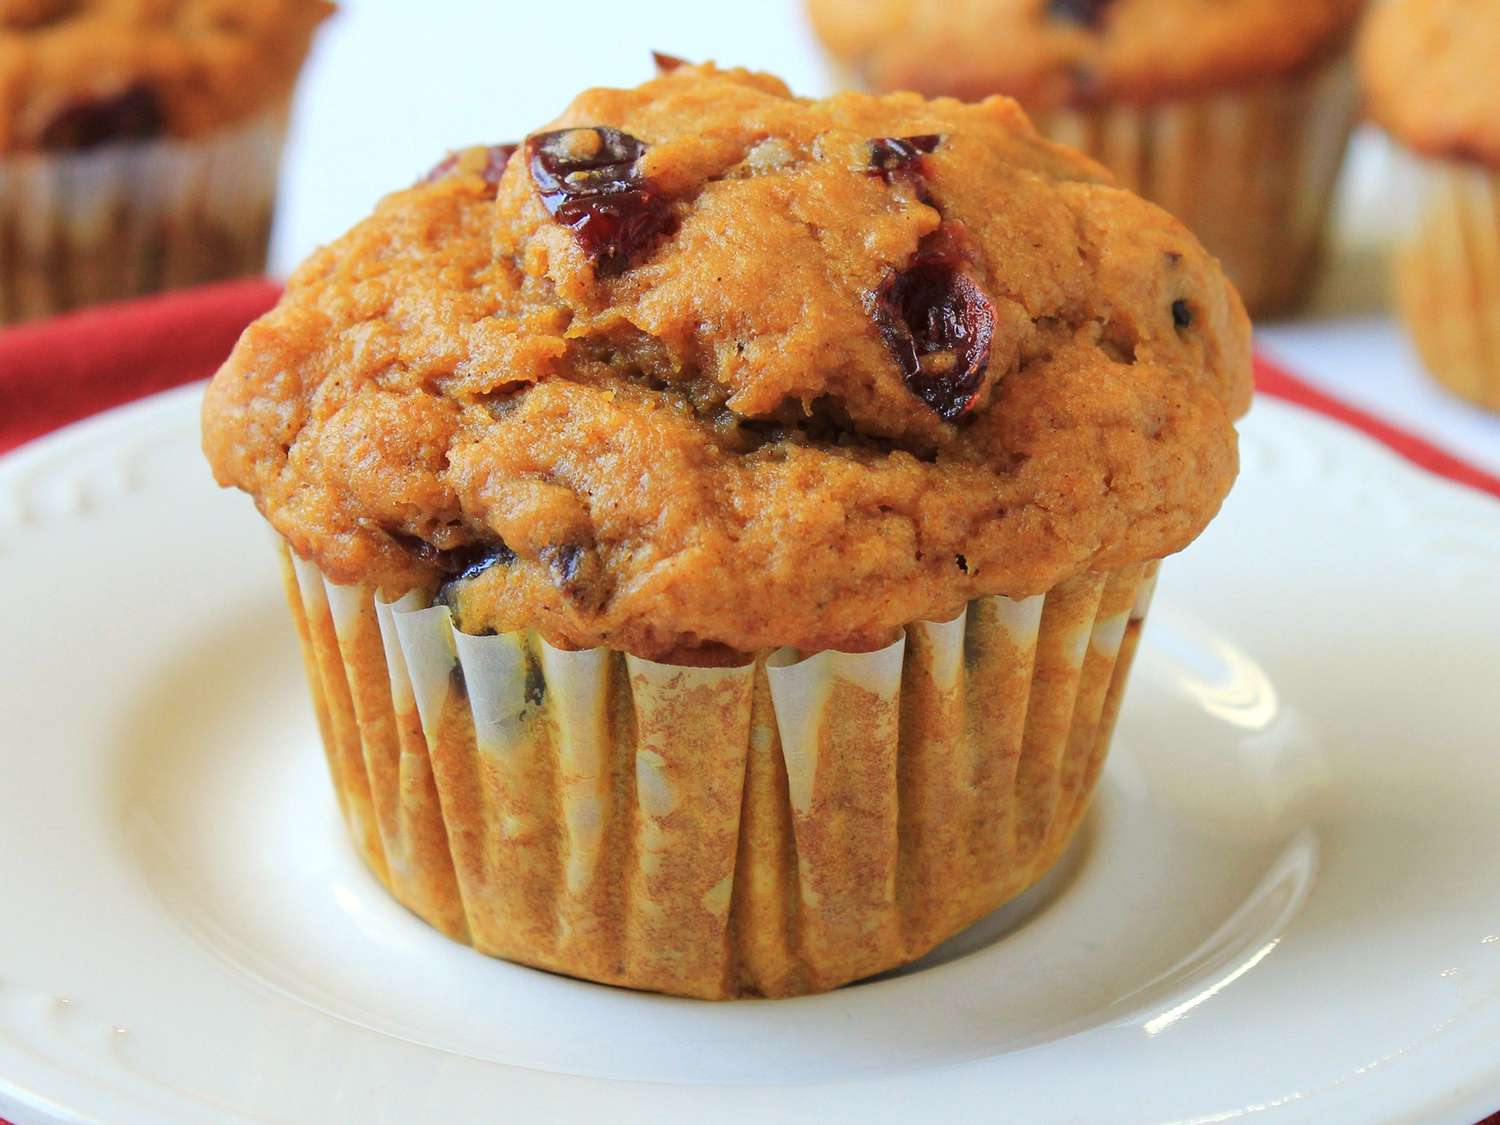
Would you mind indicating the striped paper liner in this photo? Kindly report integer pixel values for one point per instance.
(774, 829)
(127, 219)
(1447, 278)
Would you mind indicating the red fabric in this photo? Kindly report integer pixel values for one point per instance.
(57, 371)
(53, 372)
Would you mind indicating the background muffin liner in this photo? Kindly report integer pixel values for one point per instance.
(125, 219)
(1250, 171)
(773, 829)
(1447, 276)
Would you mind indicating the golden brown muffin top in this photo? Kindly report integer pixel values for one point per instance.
(1050, 53)
(1429, 74)
(79, 73)
(707, 367)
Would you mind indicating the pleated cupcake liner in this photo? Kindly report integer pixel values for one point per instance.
(774, 829)
(127, 219)
(1447, 277)
(1251, 171)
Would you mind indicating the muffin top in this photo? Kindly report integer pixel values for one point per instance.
(1428, 69)
(79, 73)
(1051, 53)
(703, 369)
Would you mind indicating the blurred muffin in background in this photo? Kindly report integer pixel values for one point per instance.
(139, 143)
(1429, 74)
(1232, 114)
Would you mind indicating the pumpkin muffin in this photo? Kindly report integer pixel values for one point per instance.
(1427, 68)
(139, 142)
(720, 525)
(1231, 114)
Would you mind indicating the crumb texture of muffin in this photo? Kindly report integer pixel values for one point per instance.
(1053, 53)
(75, 74)
(705, 368)
(1427, 67)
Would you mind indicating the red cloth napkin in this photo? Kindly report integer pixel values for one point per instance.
(53, 372)
(57, 371)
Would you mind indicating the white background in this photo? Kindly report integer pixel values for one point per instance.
(393, 84)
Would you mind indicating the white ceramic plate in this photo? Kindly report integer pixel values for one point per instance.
(1285, 904)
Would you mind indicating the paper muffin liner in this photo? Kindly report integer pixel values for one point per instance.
(1447, 277)
(774, 829)
(1251, 171)
(126, 219)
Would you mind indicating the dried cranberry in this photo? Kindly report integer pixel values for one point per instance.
(464, 565)
(564, 562)
(455, 563)
(575, 573)
(495, 159)
(951, 242)
(1089, 13)
(134, 114)
(665, 63)
(588, 182)
(474, 561)
(441, 170)
(896, 154)
(938, 324)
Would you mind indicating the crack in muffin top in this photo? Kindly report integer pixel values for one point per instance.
(702, 369)
(1051, 53)
(80, 73)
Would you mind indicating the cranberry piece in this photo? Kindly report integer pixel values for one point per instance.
(495, 159)
(665, 63)
(938, 324)
(473, 561)
(576, 574)
(572, 164)
(455, 563)
(465, 564)
(588, 182)
(441, 170)
(889, 155)
(952, 243)
(564, 562)
(1088, 13)
(134, 114)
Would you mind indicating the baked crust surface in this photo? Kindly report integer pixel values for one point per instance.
(715, 450)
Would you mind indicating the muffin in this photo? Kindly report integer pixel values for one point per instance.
(719, 527)
(1232, 114)
(1426, 67)
(139, 143)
